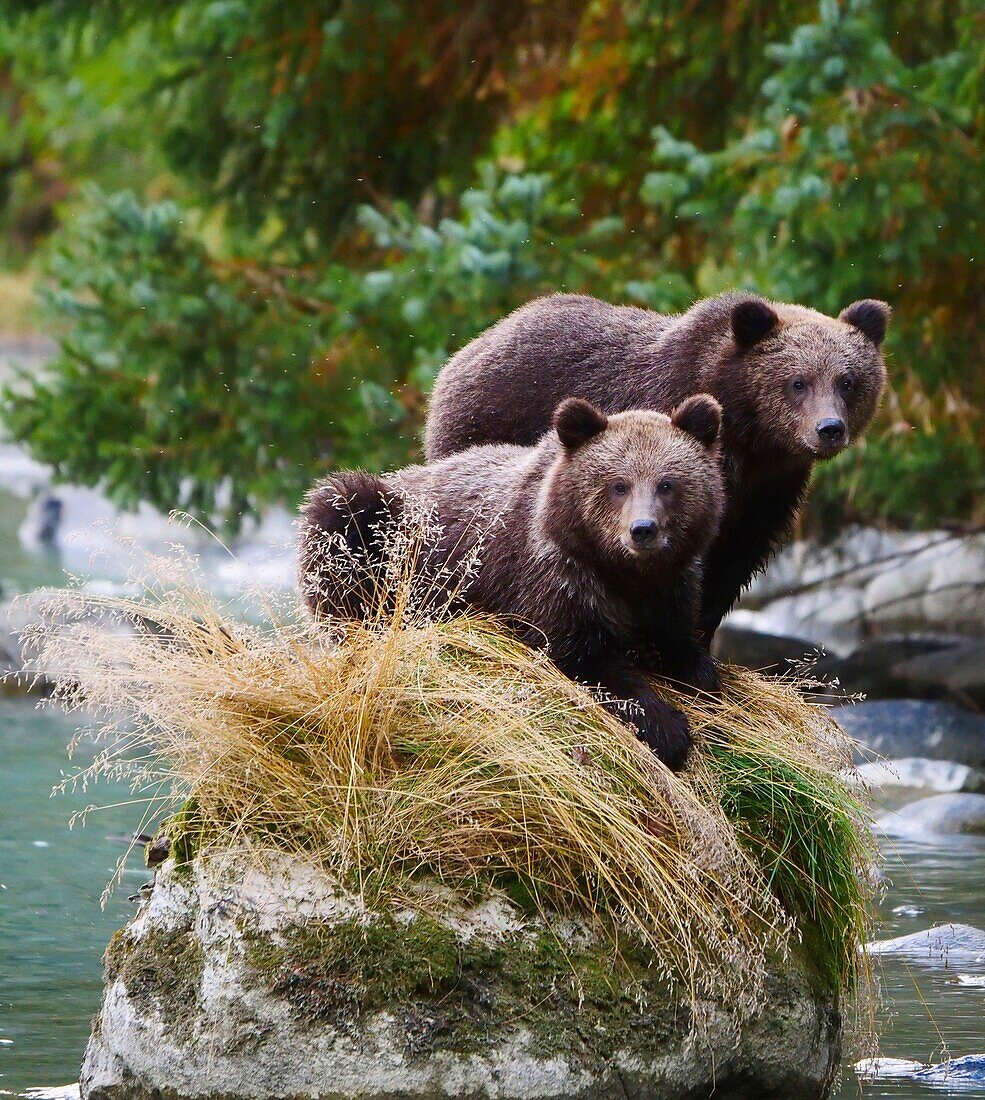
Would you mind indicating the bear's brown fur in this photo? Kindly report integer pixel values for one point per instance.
(795, 385)
(589, 543)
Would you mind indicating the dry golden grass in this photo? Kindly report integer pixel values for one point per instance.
(406, 751)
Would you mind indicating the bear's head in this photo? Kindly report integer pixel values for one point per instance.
(800, 383)
(635, 492)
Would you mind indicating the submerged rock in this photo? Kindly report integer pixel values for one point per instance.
(939, 815)
(945, 945)
(876, 1069)
(967, 1071)
(954, 1074)
(907, 727)
(279, 985)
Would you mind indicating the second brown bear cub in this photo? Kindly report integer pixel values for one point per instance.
(590, 543)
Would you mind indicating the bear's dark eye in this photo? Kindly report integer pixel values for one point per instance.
(846, 383)
(620, 488)
(666, 486)
(798, 385)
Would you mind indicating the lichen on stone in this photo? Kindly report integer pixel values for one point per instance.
(161, 969)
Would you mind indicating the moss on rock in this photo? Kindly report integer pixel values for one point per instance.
(297, 988)
(184, 830)
(575, 999)
(161, 968)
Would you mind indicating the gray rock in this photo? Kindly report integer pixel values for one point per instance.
(955, 1072)
(869, 583)
(918, 773)
(829, 616)
(939, 815)
(776, 653)
(279, 985)
(945, 945)
(880, 1069)
(870, 670)
(956, 593)
(905, 727)
(893, 599)
(957, 673)
(907, 911)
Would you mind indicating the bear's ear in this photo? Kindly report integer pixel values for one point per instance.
(577, 421)
(700, 416)
(752, 320)
(869, 316)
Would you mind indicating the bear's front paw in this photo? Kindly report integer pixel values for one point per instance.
(665, 730)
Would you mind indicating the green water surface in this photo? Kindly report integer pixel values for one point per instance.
(52, 928)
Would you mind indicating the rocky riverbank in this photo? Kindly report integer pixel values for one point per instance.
(871, 583)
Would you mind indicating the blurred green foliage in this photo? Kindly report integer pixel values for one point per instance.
(268, 225)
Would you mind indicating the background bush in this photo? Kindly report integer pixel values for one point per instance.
(267, 225)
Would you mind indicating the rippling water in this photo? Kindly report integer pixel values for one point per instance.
(929, 1013)
(52, 930)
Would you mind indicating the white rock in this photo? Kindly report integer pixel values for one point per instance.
(873, 1069)
(215, 1026)
(919, 772)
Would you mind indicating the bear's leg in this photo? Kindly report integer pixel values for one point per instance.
(692, 667)
(659, 725)
(672, 646)
(745, 544)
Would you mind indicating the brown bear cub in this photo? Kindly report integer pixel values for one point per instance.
(589, 542)
(795, 386)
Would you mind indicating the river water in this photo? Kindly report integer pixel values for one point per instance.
(53, 929)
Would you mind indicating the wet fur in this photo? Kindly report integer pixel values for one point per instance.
(551, 562)
(743, 350)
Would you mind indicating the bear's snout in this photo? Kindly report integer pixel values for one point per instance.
(832, 432)
(643, 532)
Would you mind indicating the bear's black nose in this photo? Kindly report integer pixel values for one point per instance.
(643, 531)
(831, 430)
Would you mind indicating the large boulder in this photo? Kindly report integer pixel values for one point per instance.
(868, 582)
(276, 984)
(774, 653)
(874, 668)
(829, 616)
(907, 727)
(946, 667)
